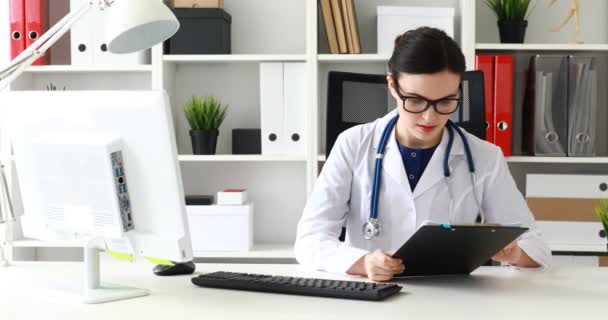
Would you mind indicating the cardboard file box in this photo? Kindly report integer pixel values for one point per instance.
(394, 21)
(563, 206)
(202, 31)
(221, 228)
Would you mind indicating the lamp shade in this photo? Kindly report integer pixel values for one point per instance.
(135, 25)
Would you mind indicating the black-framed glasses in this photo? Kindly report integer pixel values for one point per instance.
(417, 104)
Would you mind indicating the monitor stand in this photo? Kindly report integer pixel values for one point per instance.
(92, 291)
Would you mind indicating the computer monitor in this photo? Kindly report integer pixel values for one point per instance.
(100, 168)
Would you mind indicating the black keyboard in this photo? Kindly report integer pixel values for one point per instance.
(300, 286)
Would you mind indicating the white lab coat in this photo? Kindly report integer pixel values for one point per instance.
(342, 197)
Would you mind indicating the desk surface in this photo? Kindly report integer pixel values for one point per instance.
(489, 293)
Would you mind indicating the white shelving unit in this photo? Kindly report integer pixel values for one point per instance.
(276, 31)
(67, 69)
(541, 47)
(28, 243)
(234, 58)
(522, 159)
(240, 158)
(328, 58)
(573, 160)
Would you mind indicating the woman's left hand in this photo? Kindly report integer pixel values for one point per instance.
(515, 256)
(512, 252)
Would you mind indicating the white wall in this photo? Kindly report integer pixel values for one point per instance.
(541, 20)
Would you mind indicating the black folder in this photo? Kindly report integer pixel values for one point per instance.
(446, 249)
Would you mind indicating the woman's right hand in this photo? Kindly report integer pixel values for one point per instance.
(380, 266)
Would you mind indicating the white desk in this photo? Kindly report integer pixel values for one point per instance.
(490, 293)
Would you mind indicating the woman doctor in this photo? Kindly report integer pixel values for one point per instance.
(425, 71)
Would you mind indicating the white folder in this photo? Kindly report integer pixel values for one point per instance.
(294, 106)
(82, 36)
(271, 107)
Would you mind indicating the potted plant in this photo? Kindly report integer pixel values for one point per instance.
(511, 15)
(205, 117)
(602, 213)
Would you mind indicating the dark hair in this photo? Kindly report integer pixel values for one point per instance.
(426, 50)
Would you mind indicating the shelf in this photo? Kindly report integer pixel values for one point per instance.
(322, 158)
(353, 58)
(560, 247)
(88, 69)
(30, 243)
(233, 58)
(275, 251)
(523, 159)
(240, 158)
(542, 47)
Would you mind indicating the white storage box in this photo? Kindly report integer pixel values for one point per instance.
(393, 21)
(232, 197)
(221, 228)
(563, 206)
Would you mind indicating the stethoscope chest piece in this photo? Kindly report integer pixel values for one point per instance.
(371, 229)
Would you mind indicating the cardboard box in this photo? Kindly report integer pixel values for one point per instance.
(221, 228)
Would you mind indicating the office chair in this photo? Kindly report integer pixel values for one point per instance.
(356, 98)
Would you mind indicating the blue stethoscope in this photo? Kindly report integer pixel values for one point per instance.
(371, 228)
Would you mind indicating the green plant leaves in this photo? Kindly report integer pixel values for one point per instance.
(207, 113)
(602, 213)
(509, 10)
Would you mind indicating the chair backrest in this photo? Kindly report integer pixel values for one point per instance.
(352, 99)
(471, 115)
(356, 98)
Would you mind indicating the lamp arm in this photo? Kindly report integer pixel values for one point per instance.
(5, 243)
(40, 46)
(10, 215)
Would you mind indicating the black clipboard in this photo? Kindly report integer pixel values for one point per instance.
(453, 249)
